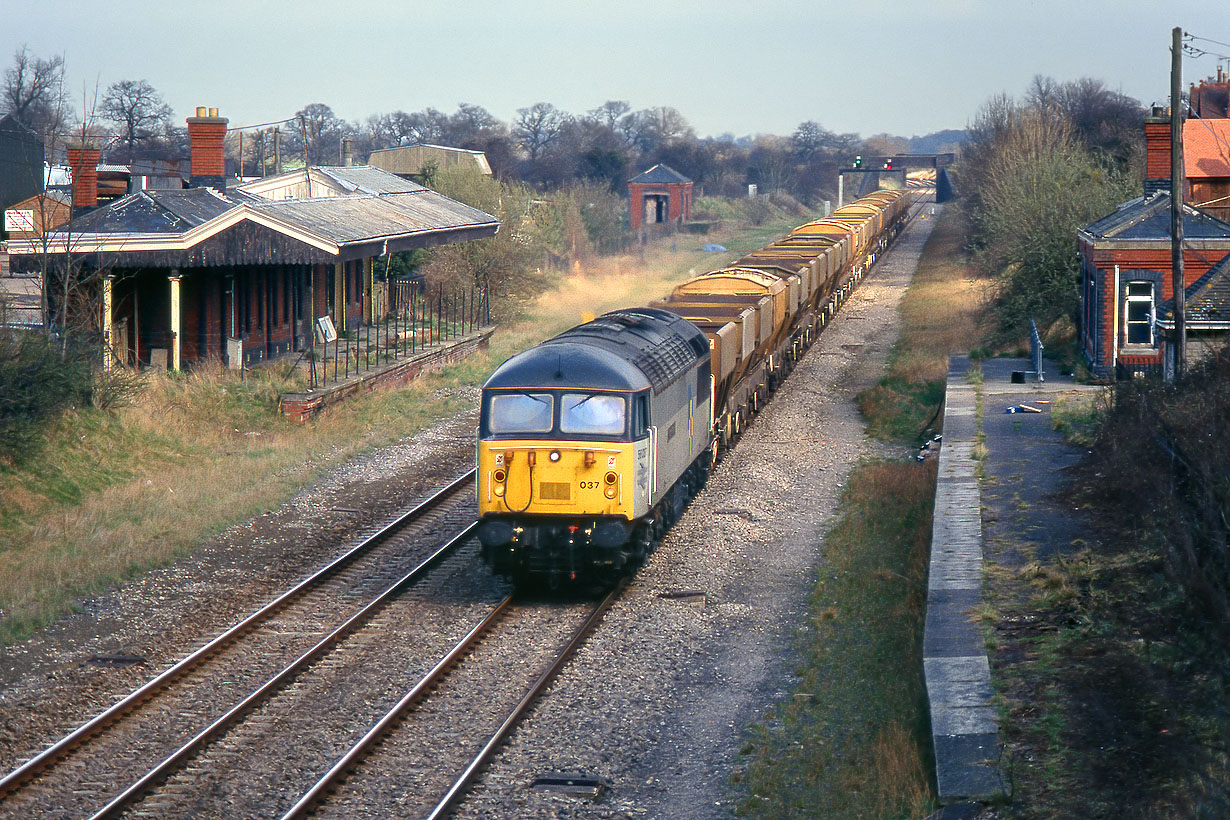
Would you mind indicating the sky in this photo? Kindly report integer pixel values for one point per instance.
(902, 67)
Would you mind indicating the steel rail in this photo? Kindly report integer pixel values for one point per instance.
(45, 759)
(347, 761)
(277, 682)
(454, 793)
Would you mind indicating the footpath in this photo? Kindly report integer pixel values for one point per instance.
(1000, 471)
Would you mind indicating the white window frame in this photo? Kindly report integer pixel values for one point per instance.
(1129, 299)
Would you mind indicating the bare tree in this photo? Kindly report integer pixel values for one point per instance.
(472, 123)
(537, 127)
(138, 110)
(610, 112)
(33, 92)
(810, 138)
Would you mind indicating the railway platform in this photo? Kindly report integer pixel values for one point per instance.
(999, 471)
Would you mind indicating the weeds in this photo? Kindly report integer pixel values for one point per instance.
(858, 745)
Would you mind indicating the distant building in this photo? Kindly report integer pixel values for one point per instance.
(35, 215)
(21, 162)
(409, 161)
(660, 196)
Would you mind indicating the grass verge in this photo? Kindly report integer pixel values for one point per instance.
(852, 742)
(942, 314)
(114, 494)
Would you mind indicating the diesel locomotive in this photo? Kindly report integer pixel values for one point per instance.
(591, 444)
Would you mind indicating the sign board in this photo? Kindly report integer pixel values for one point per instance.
(325, 330)
(19, 221)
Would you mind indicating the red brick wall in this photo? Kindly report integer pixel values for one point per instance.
(1157, 148)
(1196, 263)
(207, 135)
(84, 162)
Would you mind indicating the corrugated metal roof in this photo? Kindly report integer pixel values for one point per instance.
(350, 219)
(370, 180)
(1149, 218)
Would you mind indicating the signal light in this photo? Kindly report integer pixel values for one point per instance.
(499, 476)
(858, 162)
(611, 478)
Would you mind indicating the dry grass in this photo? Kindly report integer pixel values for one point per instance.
(942, 314)
(118, 493)
(856, 745)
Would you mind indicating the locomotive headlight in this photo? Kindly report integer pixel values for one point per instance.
(611, 478)
(498, 478)
(610, 491)
(554, 455)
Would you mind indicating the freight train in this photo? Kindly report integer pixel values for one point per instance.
(591, 444)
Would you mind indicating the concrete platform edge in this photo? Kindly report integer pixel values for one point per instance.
(964, 722)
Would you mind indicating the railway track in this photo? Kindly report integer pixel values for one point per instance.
(153, 731)
(469, 703)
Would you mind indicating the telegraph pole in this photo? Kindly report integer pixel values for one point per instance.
(1178, 284)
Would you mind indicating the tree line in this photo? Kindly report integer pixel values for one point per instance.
(544, 146)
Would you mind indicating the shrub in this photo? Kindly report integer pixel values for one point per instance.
(39, 377)
(1161, 463)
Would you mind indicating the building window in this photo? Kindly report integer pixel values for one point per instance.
(1138, 314)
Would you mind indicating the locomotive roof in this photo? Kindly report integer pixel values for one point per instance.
(630, 349)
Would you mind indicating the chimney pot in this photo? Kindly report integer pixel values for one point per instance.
(202, 111)
(213, 112)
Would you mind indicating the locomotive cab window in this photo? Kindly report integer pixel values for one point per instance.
(520, 413)
(592, 414)
(640, 416)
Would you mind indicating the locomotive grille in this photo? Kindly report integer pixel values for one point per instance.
(663, 363)
(555, 491)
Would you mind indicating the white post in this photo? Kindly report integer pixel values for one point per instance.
(175, 349)
(107, 299)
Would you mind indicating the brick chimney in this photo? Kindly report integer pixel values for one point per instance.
(207, 135)
(1157, 151)
(83, 160)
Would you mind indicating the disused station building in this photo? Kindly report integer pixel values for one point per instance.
(241, 274)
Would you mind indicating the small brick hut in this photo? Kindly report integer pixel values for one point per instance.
(660, 196)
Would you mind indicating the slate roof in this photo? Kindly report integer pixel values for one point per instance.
(1206, 302)
(661, 174)
(1148, 218)
(158, 212)
(379, 213)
